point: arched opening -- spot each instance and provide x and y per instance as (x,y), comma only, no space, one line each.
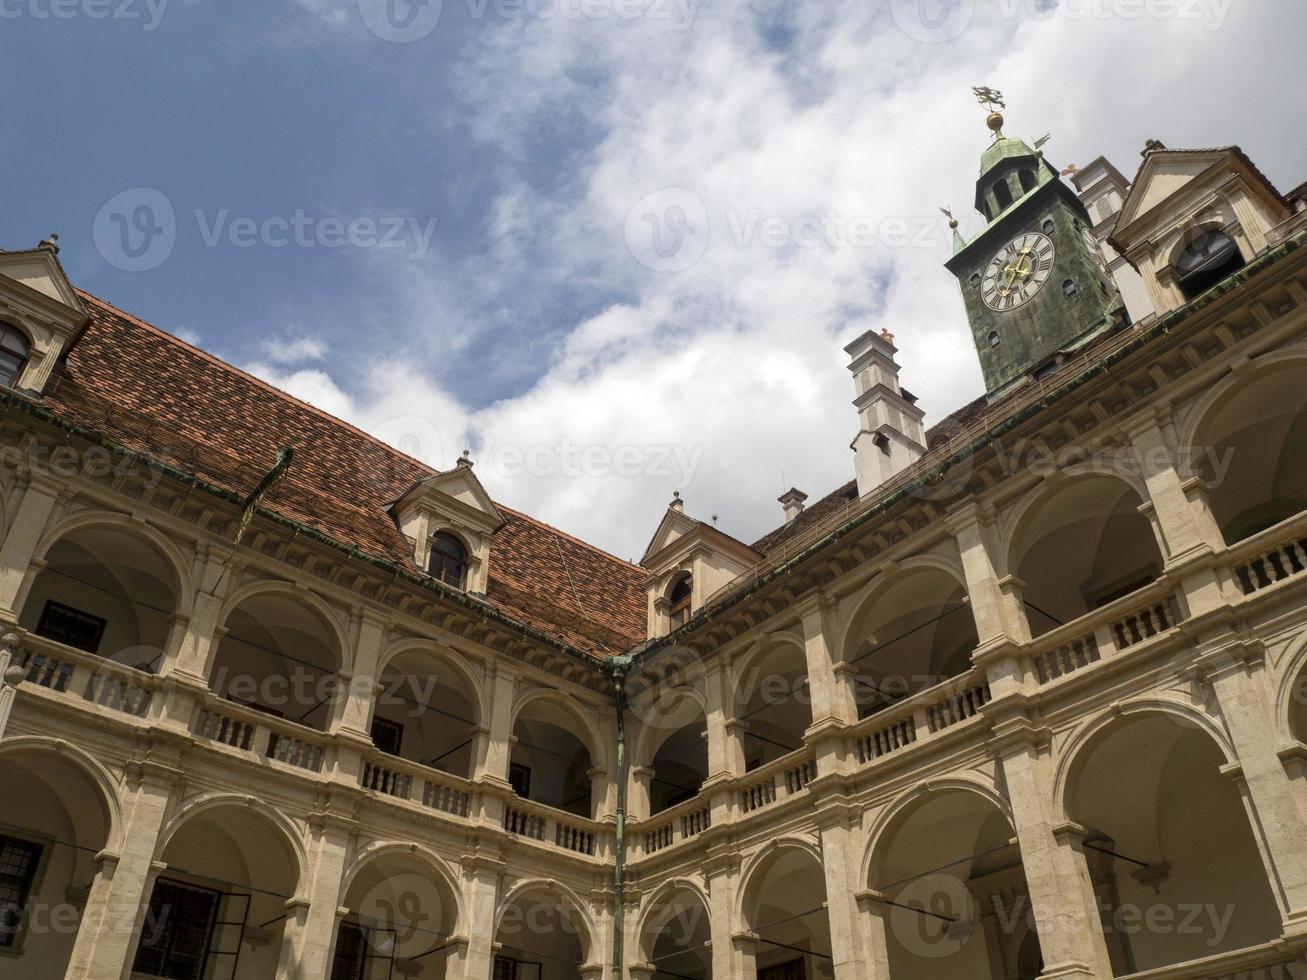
(1137,787)
(219,907)
(1252,452)
(1083,546)
(426,712)
(55,820)
(956,899)
(680,765)
(448,560)
(278,656)
(541,936)
(674,938)
(1003,195)
(402,915)
(548,763)
(1298,707)
(670,753)
(774,704)
(1209,259)
(14,352)
(1028,181)
(678,598)
(105,591)
(784,906)
(916,633)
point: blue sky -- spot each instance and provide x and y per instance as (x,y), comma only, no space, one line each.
(481,269)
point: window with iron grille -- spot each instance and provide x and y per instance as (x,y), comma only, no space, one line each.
(18,862)
(348,961)
(177,931)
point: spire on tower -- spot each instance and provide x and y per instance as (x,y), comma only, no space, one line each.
(992,99)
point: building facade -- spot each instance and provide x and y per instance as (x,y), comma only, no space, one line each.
(1027,698)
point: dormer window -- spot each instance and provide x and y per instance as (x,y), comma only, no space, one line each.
(679,597)
(14,351)
(1207,260)
(448,562)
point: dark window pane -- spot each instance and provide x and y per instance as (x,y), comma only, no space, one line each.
(178,927)
(448,561)
(18,860)
(387,735)
(70,626)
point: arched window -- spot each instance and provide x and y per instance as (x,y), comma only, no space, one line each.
(13,355)
(975,279)
(993,338)
(1003,194)
(679,597)
(1027,180)
(448,561)
(1206,261)
(1069,288)
(1049,227)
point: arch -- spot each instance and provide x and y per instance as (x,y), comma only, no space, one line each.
(589,733)
(668,887)
(15,351)
(675,925)
(1018,518)
(757,863)
(89,766)
(1288,701)
(286,831)
(419,853)
(883,582)
(84,520)
(1081,742)
(556,753)
(446,656)
(783,902)
(305,597)
(1079,542)
(771,695)
(882,827)
(557,896)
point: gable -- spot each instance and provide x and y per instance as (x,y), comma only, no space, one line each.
(674,526)
(39,270)
(1163,175)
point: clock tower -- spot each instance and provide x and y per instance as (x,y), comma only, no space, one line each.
(1034,281)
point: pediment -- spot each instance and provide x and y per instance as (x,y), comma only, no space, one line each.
(674,526)
(455,493)
(39,270)
(1165,174)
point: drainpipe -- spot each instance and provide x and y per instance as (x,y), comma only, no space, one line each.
(620,666)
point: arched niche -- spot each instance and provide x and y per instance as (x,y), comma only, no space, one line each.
(548,761)
(427,710)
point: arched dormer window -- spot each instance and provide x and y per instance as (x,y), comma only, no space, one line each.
(1207,260)
(448,562)
(1028,181)
(14,351)
(679,597)
(1003,194)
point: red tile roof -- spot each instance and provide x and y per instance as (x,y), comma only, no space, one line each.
(158,395)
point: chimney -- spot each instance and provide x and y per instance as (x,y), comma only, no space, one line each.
(891,436)
(792,500)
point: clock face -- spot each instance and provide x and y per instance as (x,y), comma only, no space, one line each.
(1017,272)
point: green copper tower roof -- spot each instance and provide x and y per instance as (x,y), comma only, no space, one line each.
(1003,149)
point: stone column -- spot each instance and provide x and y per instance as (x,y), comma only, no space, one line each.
(11,675)
(111,923)
(874,933)
(1061,892)
(25,533)
(721,872)
(481,877)
(357,687)
(1245,698)
(309,934)
(640,805)
(840,859)
(725,743)
(503,688)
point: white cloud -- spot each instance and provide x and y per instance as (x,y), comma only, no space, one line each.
(293,350)
(737,361)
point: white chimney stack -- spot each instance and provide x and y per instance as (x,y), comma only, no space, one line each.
(792,500)
(892,435)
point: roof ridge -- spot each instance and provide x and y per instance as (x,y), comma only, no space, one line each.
(333,419)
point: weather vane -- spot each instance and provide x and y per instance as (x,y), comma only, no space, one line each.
(992,99)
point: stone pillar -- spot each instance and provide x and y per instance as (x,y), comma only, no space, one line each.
(503,687)
(25,533)
(841,866)
(193,655)
(640,805)
(874,933)
(721,873)
(309,934)
(481,877)
(1061,892)
(719,710)
(818,617)
(997,611)
(11,675)
(115,910)
(357,688)
(1246,699)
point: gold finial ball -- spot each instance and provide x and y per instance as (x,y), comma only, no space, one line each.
(995,122)
(953,223)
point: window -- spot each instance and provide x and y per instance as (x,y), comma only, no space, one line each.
(1027,180)
(362,953)
(975,279)
(510,969)
(70,626)
(1069,288)
(789,970)
(882,443)
(183,918)
(448,561)
(387,735)
(1049,227)
(519,777)
(1207,260)
(1003,194)
(13,355)
(680,600)
(18,862)
(993,338)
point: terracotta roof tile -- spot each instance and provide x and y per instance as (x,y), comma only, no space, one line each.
(158,395)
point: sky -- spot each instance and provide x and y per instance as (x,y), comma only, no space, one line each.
(614,248)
